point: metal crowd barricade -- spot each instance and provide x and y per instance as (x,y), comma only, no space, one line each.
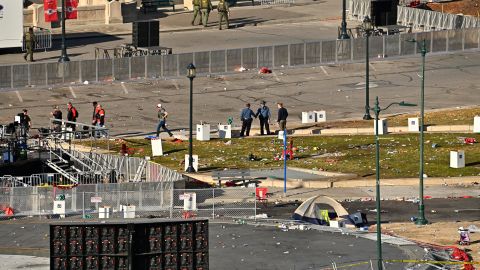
(43,38)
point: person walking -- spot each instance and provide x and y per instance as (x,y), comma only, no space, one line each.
(30,42)
(223,11)
(246,118)
(57,115)
(206,7)
(72,115)
(196,11)
(282,117)
(94,116)
(162,116)
(264,115)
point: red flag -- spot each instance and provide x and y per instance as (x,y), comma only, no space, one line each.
(50,7)
(71,9)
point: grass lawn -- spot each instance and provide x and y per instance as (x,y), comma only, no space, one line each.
(348,154)
(437,118)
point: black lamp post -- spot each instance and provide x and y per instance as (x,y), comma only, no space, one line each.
(64,57)
(191,75)
(377,111)
(367,27)
(343,33)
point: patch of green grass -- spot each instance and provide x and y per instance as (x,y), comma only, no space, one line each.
(399,154)
(438,118)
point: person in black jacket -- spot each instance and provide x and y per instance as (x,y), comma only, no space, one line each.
(72,115)
(282,116)
(57,115)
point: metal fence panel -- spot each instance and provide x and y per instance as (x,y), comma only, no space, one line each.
(217,61)
(89,70)
(359,48)
(265,56)
(71,71)
(137,66)
(184,60)
(455,40)
(392,44)
(344,52)
(5,76)
(105,69)
(55,73)
(297,54)
(328,51)
(280,56)
(121,68)
(439,41)
(154,66)
(202,62)
(234,59)
(375,46)
(472,38)
(313,52)
(249,58)
(217,203)
(406,46)
(169,65)
(427,36)
(38,75)
(20,75)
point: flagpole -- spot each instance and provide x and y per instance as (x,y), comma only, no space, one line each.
(64,57)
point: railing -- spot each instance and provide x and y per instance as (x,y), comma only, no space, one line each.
(149,199)
(232,60)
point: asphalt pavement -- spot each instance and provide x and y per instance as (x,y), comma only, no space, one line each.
(451,81)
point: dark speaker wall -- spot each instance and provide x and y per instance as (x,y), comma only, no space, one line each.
(146,34)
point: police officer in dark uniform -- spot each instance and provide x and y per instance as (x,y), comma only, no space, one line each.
(246,118)
(264,115)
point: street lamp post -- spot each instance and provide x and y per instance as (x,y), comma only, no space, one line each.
(377,111)
(191,75)
(64,57)
(343,33)
(421,220)
(367,27)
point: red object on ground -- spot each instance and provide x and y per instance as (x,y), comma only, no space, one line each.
(177,141)
(9,211)
(467,197)
(264,70)
(470,140)
(461,255)
(124,149)
(289,150)
(427,197)
(230,184)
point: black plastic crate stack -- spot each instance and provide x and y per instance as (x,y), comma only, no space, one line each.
(142,245)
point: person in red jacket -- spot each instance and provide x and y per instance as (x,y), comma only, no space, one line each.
(100,119)
(72,115)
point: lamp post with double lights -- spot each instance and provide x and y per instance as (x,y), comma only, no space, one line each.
(377,111)
(368,28)
(191,73)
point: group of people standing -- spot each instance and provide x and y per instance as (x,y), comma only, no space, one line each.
(264,115)
(202,9)
(72,115)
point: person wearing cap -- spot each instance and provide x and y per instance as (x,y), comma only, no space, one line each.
(162,116)
(246,118)
(264,115)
